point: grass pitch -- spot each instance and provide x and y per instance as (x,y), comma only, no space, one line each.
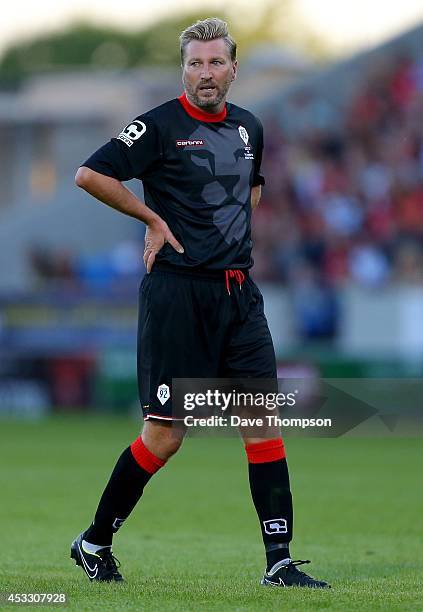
(193,543)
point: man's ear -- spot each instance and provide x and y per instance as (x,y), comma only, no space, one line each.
(234,69)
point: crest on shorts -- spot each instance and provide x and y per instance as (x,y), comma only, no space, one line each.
(163,393)
(243,133)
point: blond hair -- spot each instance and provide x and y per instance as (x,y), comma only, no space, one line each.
(211,28)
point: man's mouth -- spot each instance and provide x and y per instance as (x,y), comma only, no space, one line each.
(207,88)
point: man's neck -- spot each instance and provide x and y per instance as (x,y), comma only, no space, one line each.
(200,114)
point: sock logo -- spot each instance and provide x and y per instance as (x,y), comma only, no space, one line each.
(117,523)
(274,526)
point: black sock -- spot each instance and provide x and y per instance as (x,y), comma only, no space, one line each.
(275,553)
(120,496)
(270,490)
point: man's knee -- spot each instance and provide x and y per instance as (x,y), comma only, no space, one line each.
(162,439)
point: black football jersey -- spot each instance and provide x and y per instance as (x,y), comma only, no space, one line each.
(197,170)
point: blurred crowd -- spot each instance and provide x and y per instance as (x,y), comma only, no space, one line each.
(347,204)
(117,269)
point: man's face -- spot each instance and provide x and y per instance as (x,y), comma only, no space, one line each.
(208,72)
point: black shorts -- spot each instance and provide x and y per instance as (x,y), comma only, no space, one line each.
(198,325)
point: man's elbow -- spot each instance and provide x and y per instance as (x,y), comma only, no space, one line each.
(255,196)
(82,177)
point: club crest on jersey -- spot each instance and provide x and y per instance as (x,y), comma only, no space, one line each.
(163,393)
(132,132)
(248,154)
(244,134)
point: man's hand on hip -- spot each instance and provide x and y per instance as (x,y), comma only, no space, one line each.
(157,233)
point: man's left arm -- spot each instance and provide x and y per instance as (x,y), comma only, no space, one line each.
(255,196)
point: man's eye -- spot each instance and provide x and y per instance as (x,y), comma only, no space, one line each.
(217,62)
(195,63)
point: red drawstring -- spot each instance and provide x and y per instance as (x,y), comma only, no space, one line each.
(238,275)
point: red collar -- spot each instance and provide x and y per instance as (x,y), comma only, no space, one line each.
(199,114)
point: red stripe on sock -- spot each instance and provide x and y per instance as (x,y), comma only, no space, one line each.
(145,459)
(264,452)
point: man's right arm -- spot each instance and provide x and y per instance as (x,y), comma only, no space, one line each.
(110,191)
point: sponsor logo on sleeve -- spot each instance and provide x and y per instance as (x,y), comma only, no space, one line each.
(132,132)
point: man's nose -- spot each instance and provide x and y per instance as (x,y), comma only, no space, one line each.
(205,73)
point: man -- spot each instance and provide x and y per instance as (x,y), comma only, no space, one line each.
(201,316)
